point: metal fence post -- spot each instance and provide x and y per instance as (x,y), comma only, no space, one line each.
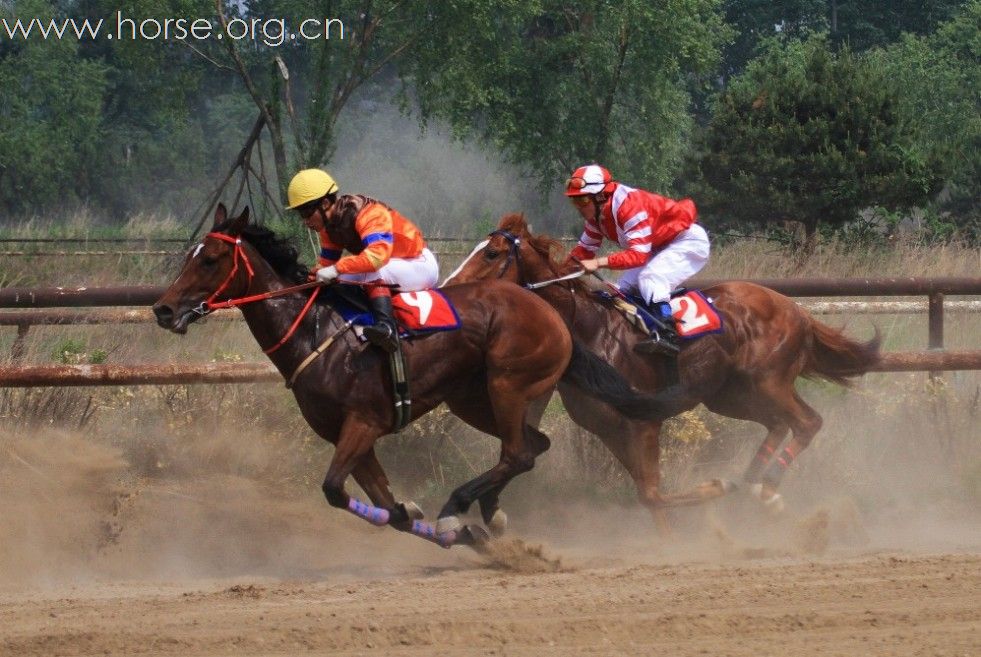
(935,340)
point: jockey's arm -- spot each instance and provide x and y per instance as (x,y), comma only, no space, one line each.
(330,253)
(374,225)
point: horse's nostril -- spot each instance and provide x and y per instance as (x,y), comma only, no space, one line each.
(165,315)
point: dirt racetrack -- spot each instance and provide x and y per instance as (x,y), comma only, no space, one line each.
(146,544)
(879,604)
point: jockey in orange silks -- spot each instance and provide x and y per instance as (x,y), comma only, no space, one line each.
(661,244)
(383,246)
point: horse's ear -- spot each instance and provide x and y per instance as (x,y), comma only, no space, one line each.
(221,214)
(239,223)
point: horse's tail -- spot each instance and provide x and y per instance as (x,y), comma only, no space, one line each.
(598,379)
(835,357)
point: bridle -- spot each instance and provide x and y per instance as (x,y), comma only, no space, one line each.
(238,254)
(209,305)
(514,255)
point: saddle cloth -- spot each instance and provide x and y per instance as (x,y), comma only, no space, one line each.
(416,313)
(694,313)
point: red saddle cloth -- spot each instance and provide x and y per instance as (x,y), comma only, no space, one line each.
(425,311)
(694,314)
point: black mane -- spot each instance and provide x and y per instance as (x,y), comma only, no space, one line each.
(279,252)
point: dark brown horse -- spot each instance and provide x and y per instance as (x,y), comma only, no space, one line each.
(513,348)
(746,372)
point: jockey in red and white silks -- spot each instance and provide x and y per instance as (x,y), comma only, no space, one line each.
(662,245)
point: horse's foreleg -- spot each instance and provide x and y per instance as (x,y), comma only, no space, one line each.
(355,443)
(403,516)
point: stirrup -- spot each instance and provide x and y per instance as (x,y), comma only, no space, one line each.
(657,344)
(381,334)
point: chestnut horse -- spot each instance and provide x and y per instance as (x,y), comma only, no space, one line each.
(746,372)
(513,348)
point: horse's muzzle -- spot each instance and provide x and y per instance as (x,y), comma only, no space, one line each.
(168,319)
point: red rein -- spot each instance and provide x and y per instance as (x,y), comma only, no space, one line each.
(211,305)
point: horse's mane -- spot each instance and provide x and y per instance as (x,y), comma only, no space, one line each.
(279,252)
(543,244)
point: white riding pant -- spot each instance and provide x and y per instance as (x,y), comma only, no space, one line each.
(668,268)
(410,274)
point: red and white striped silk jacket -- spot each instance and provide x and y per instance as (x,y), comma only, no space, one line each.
(640,222)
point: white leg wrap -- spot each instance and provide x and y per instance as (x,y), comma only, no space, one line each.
(447,525)
(498,523)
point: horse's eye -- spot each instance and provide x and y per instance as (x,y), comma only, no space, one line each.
(209,261)
(490,254)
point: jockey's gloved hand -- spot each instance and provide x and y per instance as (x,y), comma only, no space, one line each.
(327,274)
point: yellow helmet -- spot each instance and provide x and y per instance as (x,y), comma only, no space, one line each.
(309,185)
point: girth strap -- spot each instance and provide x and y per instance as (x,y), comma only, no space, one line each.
(324,346)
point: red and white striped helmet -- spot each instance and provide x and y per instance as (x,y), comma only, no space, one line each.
(589,179)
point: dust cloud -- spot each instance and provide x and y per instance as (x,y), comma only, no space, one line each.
(895,468)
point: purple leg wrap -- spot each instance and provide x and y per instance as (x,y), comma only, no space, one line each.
(372,514)
(425,530)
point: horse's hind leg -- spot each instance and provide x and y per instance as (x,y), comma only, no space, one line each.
(776,431)
(805,423)
(775,404)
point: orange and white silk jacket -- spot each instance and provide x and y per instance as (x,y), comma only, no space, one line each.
(371,231)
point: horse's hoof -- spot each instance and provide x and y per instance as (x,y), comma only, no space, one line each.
(728,486)
(473,536)
(448,524)
(773,504)
(498,524)
(413,511)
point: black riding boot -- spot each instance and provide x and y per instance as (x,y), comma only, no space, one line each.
(383,333)
(664,340)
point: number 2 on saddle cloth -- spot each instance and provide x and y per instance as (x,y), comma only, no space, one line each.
(693,312)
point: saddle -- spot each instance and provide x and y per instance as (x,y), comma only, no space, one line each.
(416,314)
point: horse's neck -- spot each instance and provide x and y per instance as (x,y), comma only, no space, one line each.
(271,319)
(585,315)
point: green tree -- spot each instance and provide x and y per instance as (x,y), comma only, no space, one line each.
(300,89)
(859,24)
(811,136)
(937,78)
(167,110)
(50,117)
(552,85)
